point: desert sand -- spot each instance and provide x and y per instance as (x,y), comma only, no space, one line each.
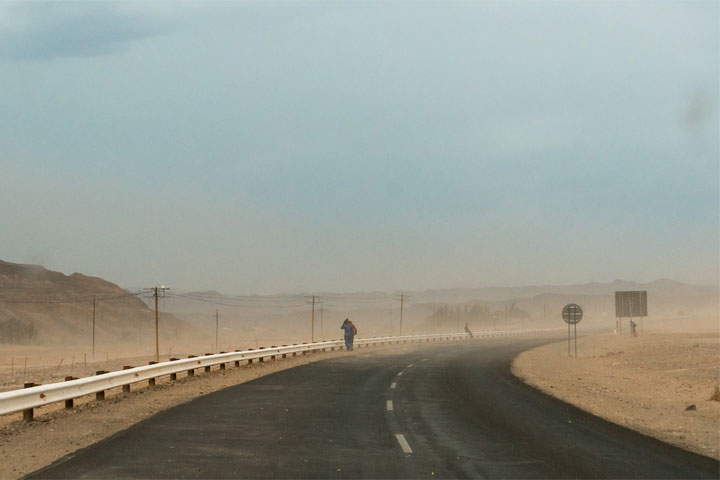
(645,383)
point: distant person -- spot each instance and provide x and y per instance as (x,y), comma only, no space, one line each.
(468,331)
(633,329)
(350,332)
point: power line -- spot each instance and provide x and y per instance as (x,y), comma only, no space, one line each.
(254,298)
(74,300)
(214,302)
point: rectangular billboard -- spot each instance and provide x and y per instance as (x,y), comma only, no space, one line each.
(631,304)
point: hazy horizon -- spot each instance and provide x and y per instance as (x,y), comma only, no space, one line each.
(348,147)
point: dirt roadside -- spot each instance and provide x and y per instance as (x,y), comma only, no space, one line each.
(648,384)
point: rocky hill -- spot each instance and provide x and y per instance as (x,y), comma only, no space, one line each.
(40,306)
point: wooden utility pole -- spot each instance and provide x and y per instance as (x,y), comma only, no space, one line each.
(322,330)
(217,345)
(93,351)
(402,301)
(312,335)
(157,327)
(155,291)
(312,318)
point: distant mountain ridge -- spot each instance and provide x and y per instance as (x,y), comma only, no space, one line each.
(38,305)
(661,286)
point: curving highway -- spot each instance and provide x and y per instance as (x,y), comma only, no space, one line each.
(440,411)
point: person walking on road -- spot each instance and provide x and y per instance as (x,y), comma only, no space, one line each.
(350,332)
(468,331)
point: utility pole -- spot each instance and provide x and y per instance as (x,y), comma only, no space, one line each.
(312,327)
(157,328)
(402,301)
(217,345)
(93,351)
(312,335)
(322,330)
(155,291)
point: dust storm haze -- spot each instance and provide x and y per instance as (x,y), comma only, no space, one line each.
(489,160)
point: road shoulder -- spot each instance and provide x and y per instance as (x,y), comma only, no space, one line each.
(644,383)
(26,447)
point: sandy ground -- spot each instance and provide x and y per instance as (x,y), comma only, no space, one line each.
(643,383)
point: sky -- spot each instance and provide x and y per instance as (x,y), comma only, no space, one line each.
(297,147)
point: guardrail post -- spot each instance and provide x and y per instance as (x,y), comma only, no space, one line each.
(191,372)
(126,388)
(222,365)
(101,394)
(69,403)
(272,357)
(173,376)
(28,412)
(151,381)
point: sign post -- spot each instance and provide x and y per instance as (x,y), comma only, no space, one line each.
(572,314)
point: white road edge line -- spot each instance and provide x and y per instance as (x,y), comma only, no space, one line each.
(393,385)
(403,443)
(389,406)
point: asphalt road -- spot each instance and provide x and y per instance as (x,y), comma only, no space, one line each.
(443,411)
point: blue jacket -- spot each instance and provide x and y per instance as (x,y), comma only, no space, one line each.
(348,329)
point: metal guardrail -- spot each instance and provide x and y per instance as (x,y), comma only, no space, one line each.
(36,396)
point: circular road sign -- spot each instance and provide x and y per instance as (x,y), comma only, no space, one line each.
(572,314)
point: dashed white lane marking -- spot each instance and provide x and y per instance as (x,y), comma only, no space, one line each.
(411,365)
(389,406)
(424,360)
(399,374)
(403,443)
(393,385)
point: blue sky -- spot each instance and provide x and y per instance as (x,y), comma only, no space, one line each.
(299,147)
